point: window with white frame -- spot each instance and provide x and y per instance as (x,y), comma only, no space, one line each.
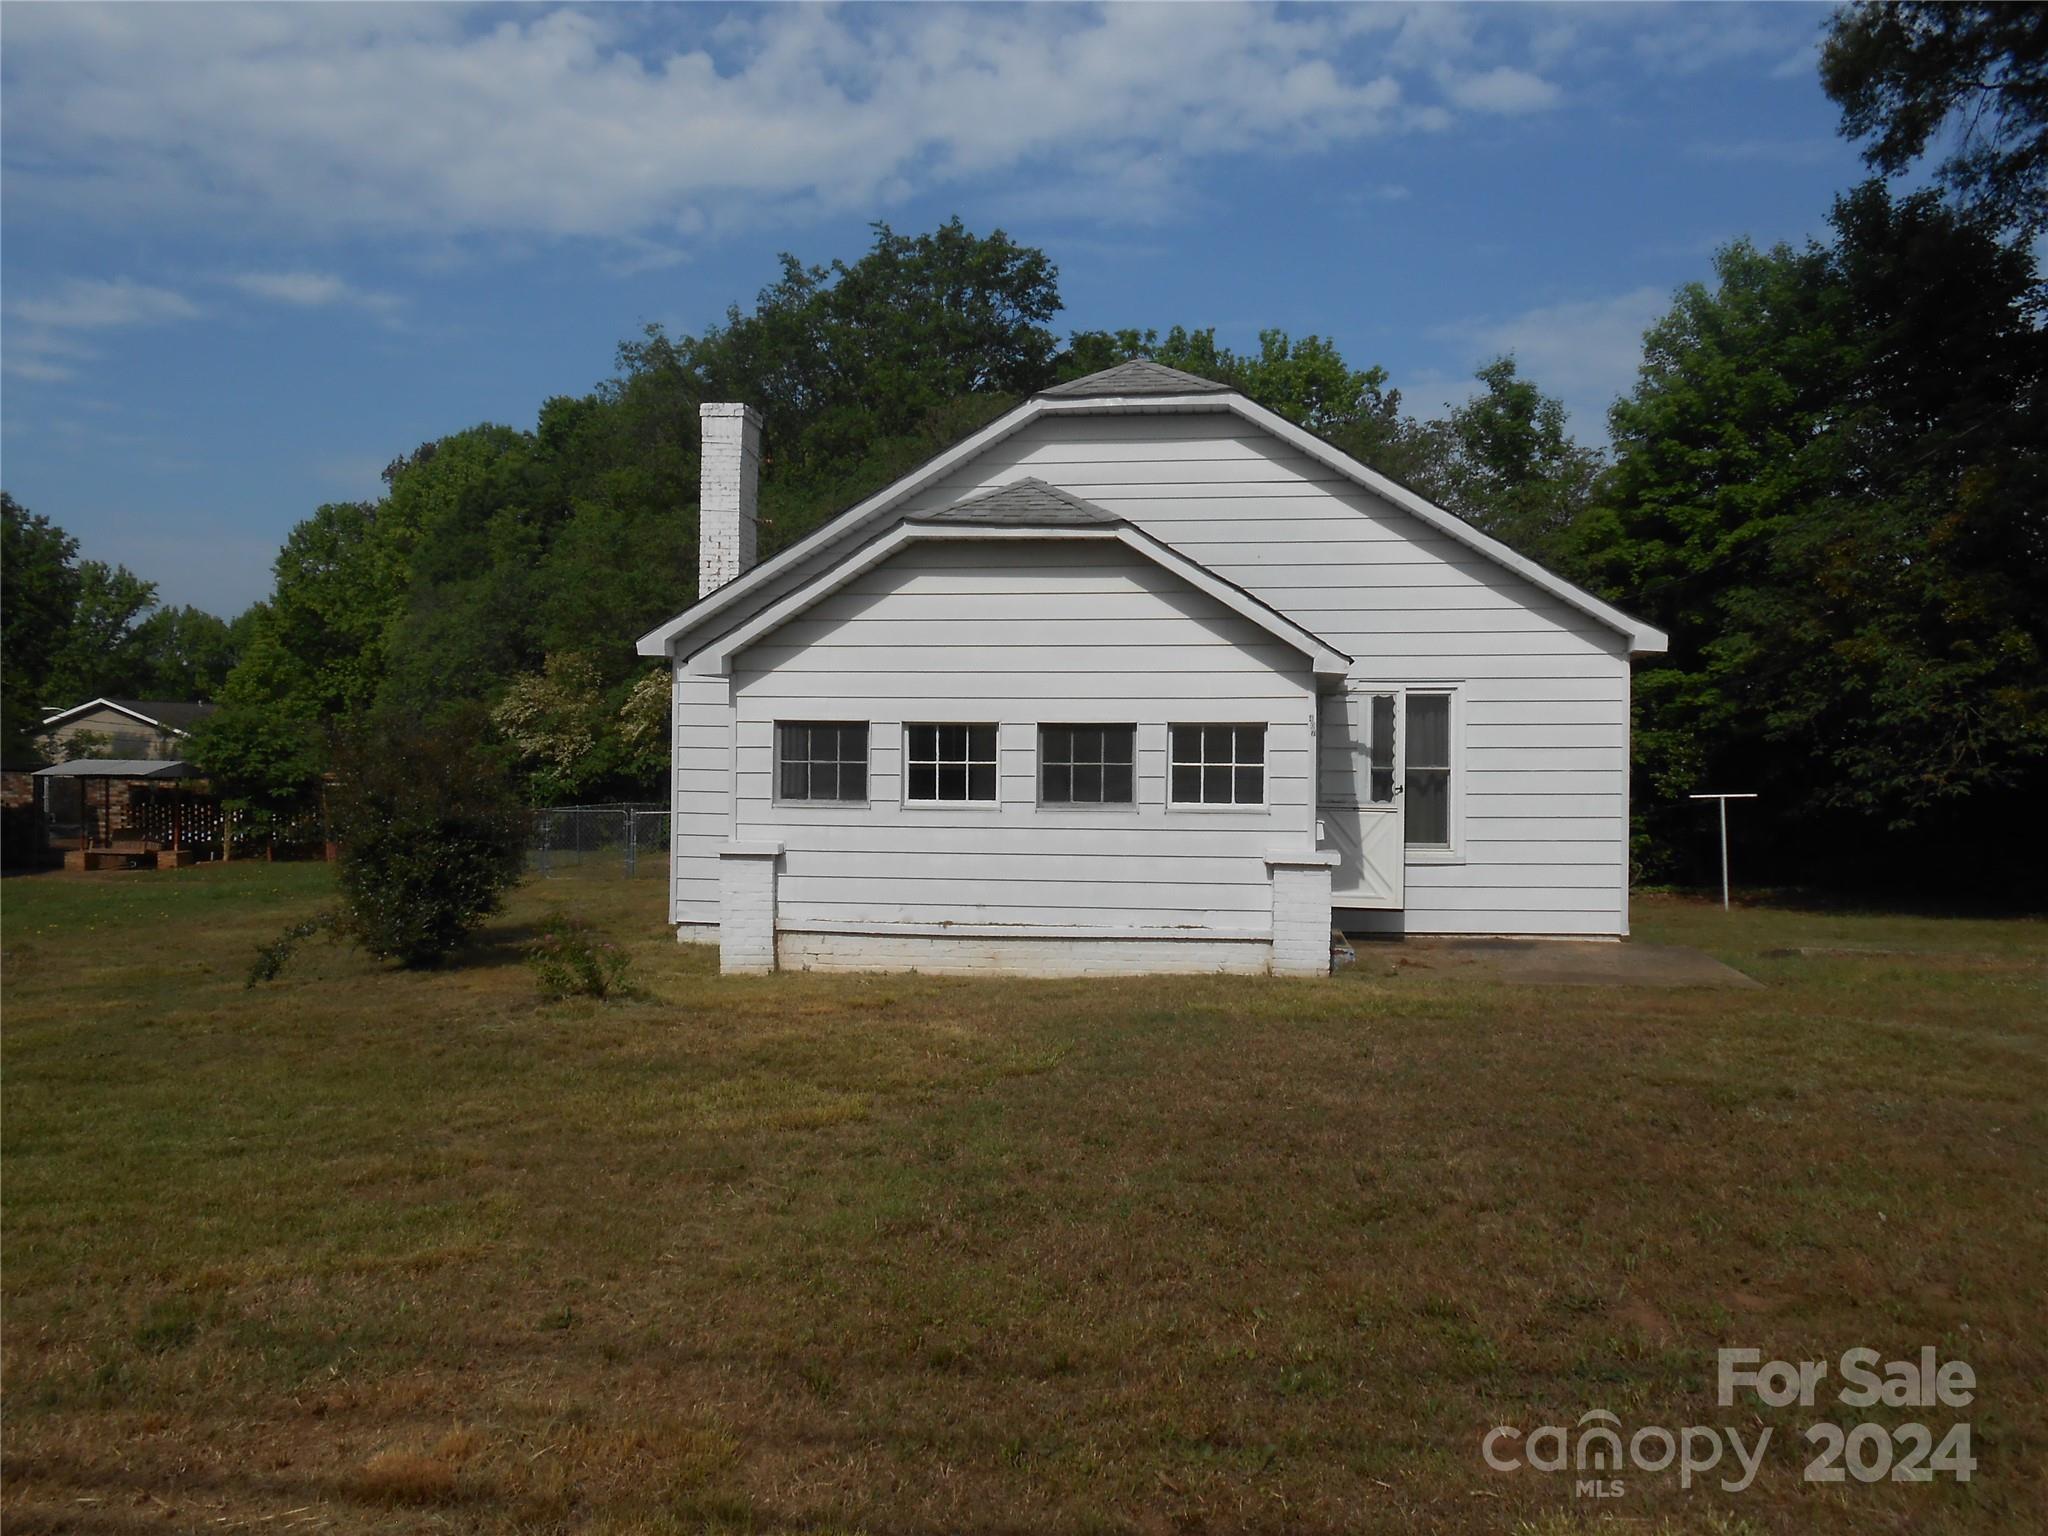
(945,764)
(821,760)
(1217,765)
(1086,764)
(1427,769)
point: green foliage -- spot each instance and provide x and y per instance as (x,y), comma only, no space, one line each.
(1304,379)
(1829,488)
(499,554)
(188,653)
(644,721)
(1506,463)
(40,582)
(1903,72)
(432,836)
(274,956)
(571,959)
(103,649)
(76,630)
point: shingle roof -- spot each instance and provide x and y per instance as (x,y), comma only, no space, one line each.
(1140,376)
(1024,504)
(120,768)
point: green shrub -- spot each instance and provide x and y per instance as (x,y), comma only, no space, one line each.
(272,958)
(432,836)
(571,959)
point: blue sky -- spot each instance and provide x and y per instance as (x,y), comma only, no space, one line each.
(252,253)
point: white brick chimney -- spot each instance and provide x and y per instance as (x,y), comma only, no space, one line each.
(728,490)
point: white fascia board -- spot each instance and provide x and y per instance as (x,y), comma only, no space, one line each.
(120,709)
(661,641)
(717,657)
(1642,638)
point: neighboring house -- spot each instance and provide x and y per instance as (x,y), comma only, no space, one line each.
(1141,677)
(127,728)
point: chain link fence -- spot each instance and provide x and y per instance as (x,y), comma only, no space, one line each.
(599,842)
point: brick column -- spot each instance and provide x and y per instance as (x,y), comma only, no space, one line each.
(746,907)
(1301,912)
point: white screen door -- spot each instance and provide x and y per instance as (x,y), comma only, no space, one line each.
(1358,795)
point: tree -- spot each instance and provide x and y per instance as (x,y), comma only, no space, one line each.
(644,721)
(103,651)
(310,660)
(187,653)
(432,836)
(1902,72)
(1828,488)
(1304,379)
(555,719)
(862,370)
(41,587)
(1506,462)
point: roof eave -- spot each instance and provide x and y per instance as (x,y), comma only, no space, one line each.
(661,640)
(1643,639)
(120,709)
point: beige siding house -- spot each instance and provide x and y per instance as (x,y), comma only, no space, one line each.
(1140,677)
(153,729)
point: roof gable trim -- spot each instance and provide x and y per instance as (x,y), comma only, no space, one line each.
(717,657)
(1641,637)
(119,708)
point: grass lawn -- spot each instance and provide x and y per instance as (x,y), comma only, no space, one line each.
(370,1250)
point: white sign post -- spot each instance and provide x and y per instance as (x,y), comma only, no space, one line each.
(1724,799)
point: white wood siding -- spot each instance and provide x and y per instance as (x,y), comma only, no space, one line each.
(701,807)
(1020,634)
(1544,688)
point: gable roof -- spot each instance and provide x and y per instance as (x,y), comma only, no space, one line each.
(120,768)
(1324,659)
(861,518)
(174,715)
(1140,376)
(1027,503)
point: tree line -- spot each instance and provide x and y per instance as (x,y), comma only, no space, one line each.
(1826,483)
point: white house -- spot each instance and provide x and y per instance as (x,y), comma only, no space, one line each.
(1141,677)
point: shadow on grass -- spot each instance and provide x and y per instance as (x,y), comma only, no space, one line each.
(1861,903)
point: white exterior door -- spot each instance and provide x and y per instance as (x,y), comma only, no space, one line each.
(1358,795)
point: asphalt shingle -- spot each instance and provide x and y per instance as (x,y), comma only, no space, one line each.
(1025,504)
(1140,376)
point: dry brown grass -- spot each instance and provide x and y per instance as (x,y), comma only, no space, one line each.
(373,1251)
(405,1477)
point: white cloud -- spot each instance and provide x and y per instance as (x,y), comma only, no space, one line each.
(1815,151)
(41,343)
(82,304)
(441,122)
(1586,351)
(37,366)
(1503,90)
(313,290)
(1688,39)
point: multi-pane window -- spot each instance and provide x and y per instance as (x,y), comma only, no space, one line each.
(1429,770)
(949,763)
(821,760)
(1218,765)
(1085,764)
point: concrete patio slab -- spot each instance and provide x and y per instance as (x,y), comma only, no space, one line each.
(1550,963)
